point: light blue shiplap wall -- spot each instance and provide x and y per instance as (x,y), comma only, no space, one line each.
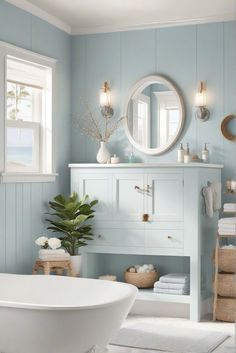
(22,206)
(186,55)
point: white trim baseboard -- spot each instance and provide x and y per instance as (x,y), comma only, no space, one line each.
(36,11)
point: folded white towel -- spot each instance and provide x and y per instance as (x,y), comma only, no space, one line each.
(175,278)
(170,291)
(227,220)
(230,246)
(226,232)
(163,285)
(51,252)
(60,257)
(230,205)
(226,226)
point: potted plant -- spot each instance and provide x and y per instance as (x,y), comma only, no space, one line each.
(70,216)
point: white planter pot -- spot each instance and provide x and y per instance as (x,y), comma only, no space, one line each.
(103,154)
(76,263)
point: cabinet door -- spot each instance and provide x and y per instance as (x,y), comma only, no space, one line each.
(98,186)
(165,199)
(128,201)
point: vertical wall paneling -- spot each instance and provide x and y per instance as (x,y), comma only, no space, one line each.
(22,206)
(185,54)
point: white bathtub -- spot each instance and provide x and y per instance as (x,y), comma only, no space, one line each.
(50,314)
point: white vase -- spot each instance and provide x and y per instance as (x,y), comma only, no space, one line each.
(76,263)
(103,154)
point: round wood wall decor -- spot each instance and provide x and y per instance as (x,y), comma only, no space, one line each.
(224,128)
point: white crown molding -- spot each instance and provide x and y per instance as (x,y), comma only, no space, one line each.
(160,24)
(36,11)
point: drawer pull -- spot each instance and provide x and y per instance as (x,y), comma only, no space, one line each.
(147,190)
(169,237)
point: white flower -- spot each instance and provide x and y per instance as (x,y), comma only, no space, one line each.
(41,241)
(54,243)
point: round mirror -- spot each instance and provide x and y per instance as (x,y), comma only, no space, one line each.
(154,115)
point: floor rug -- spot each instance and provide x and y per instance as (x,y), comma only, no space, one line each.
(170,338)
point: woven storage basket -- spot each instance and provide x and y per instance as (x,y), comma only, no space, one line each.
(142,280)
(227,285)
(226,309)
(226,260)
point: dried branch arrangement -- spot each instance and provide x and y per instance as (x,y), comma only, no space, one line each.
(97,127)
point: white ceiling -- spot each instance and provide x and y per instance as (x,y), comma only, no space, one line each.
(95,16)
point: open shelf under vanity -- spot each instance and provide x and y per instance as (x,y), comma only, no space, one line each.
(148,294)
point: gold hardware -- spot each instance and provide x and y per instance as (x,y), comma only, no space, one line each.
(145,217)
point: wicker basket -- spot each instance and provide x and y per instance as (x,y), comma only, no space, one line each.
(142,280)
(227,260)
(225,309)
(226,285)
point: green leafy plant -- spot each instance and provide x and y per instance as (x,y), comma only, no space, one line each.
(70,216)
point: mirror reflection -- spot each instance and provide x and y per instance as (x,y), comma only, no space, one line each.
(154,115)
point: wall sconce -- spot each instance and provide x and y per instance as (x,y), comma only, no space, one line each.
(202,113)
(105,101)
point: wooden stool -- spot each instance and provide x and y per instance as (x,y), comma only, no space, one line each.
(57,266)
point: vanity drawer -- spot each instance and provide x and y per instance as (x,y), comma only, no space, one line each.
(164,238)
(118,237)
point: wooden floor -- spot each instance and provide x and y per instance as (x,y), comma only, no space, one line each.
(226,347)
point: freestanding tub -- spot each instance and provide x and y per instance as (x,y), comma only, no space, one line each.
(54,314)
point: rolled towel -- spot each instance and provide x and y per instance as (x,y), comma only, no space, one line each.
(227,220)
(163,285)
(51,252)
(175,278)
(170,291)
(60,257)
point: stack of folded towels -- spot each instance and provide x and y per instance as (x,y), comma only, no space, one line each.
(230,207)
(53,255)
(173,283)
(227,226)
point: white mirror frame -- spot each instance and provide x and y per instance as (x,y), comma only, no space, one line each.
(140,85)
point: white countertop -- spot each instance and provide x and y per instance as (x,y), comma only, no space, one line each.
(146,165)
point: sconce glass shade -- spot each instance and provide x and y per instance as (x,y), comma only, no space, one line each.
(202,113)
(105,101)
(200,99)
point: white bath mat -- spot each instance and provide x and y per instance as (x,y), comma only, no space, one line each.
(170,338)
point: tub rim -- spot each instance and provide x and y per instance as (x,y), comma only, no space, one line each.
(32,306)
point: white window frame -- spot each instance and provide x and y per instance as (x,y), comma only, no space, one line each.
(47,171)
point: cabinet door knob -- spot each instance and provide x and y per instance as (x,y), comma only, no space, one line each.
(99,236)
(145,217)
(169,237)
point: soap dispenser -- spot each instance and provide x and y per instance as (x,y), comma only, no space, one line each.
(205,154)
(187,156)
(181,153)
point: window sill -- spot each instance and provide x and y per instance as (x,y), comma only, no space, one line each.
(27,178)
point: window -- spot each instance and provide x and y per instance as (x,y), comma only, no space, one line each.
(168,116)
(141,120)
(28,114)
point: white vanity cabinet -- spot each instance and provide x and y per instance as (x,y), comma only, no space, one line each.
(152,210)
